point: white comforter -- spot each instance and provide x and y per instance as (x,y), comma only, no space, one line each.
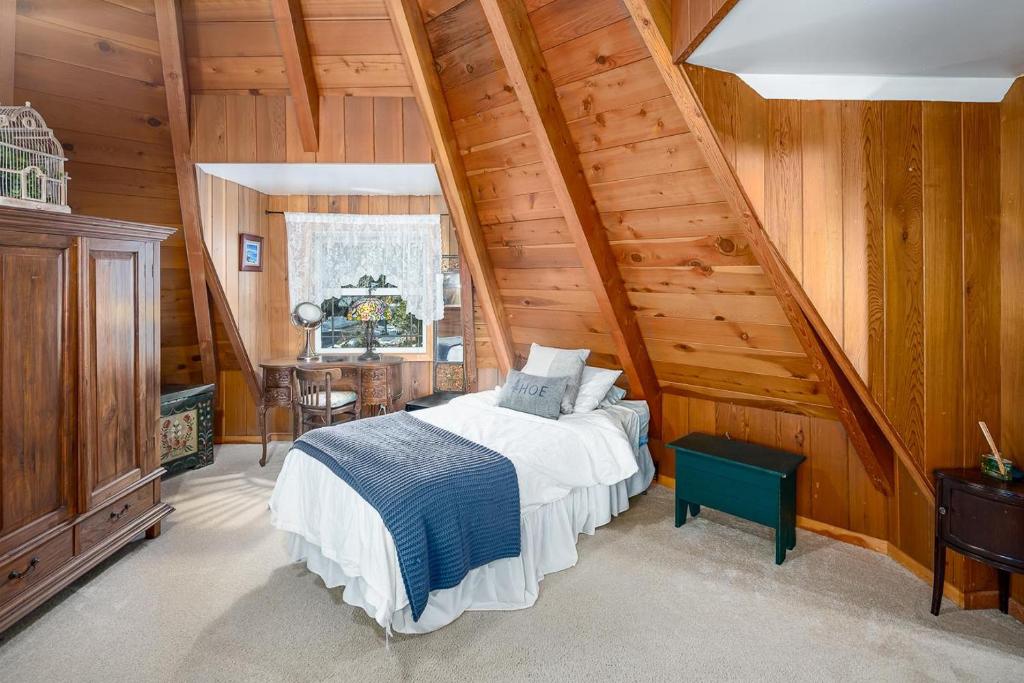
(551,457)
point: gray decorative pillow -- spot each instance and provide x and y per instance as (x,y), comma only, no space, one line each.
(540,396)
(547,361)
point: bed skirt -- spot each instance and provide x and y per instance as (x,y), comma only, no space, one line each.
(549,534)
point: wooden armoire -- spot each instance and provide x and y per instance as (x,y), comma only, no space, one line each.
(79,398)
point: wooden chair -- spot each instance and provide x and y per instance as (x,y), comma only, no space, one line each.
(326,397)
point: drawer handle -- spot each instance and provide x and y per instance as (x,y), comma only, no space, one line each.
(15,575)
(942,509)
(114,516)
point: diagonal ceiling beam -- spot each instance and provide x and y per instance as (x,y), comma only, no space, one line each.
(683,19)
(8,10)
(876,441)
(411,34)
(298,65)
(521,53)
(172,58)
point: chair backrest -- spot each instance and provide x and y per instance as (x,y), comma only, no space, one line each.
(316,386)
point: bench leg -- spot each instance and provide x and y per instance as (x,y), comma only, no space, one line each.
(791,528)
(680,512)
(1004,591)
(781,541)
(694,509)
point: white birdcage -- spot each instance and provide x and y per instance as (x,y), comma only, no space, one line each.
(31,162)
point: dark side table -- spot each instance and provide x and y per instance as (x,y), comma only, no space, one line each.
(982,518)
(438,398)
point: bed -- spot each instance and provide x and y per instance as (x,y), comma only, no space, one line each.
(574,475)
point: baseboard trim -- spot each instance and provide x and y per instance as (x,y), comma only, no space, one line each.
(987,599)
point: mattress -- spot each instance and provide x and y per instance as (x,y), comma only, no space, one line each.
(342,539)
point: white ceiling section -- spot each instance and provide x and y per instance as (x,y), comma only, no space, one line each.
(331,179)
(950,50)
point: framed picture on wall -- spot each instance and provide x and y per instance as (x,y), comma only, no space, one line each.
(250,252)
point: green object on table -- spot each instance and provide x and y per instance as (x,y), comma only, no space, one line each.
(990,467)
(739,478)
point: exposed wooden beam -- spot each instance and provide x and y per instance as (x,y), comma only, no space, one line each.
(223,309)
(683,45)
(875,439)
(411,34)
(8,11)
(172,56)
(524,61)
(298,66)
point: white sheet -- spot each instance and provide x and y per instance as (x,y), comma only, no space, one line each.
(570,473)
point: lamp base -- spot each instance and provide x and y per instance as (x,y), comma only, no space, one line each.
(369,355)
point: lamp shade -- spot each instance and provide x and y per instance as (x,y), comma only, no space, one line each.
(370,309)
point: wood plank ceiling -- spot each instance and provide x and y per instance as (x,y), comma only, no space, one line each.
(709,317)
(234,48)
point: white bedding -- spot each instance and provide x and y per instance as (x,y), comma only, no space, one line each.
(572,476)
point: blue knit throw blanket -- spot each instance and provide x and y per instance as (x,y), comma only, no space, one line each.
(450,504)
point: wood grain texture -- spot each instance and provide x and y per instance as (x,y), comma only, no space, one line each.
(298,65)
(519,42)
(414,41)
(93,70)
(1011,240)
(168,21)
(876,441)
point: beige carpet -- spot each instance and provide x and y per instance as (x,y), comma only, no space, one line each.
(213,599)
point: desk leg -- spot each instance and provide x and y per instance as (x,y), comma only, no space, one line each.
(263,434)
(939,575)
(1004,591)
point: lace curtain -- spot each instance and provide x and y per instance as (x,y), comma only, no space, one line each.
(328,250)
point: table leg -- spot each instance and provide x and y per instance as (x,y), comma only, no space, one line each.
(791,534)
(1004,591)
(939,575)
(680,512)
(263,434)
(781,543)
(694,509)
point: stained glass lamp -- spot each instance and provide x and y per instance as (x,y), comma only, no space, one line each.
(368,311)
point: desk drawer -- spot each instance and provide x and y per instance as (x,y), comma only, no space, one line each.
(114,516)
(28,569)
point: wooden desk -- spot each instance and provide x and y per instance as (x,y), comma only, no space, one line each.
(982,518)
(381,385)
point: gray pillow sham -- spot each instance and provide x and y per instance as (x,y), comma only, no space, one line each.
(547,361)
(541,396)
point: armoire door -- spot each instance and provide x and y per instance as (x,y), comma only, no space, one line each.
(37,378)
(118,361)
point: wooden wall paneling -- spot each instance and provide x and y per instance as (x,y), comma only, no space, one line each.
(520,48)
(1011,240)
(119,150)
(168,23)
(876,440)
(904,302)
(8,12)
(692,21)
(359,127)
(415,42)
(298,64)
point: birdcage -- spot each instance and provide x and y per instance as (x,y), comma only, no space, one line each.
(31,162)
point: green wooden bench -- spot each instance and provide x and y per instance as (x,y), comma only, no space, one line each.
(740,478)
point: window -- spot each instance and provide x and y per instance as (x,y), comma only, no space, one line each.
(399,332)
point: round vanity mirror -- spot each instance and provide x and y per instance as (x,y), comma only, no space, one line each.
(307,316)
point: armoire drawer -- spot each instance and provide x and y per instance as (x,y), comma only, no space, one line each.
(28,569)
(114,516)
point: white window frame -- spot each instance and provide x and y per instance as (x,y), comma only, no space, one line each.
(390,350)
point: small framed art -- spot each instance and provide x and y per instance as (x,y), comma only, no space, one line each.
(250,252)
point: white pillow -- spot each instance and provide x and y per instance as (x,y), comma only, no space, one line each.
(546,361)
(594,385)
(614,395)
